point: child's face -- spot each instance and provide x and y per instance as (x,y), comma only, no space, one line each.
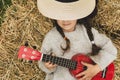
(67,25)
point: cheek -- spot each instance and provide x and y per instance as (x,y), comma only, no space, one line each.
(59,23)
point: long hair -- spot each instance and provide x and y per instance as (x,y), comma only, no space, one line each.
(85,22)
(59,29)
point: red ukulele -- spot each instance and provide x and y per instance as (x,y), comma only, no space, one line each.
(73,64)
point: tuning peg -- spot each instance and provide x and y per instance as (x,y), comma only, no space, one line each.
(26,43)
(21,60)
(30,61)
(34,47)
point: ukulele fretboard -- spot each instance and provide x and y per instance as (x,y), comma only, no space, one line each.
(60,61)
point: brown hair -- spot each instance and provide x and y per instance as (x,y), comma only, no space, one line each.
(59,29)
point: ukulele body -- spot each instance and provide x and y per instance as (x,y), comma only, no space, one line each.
(108,74)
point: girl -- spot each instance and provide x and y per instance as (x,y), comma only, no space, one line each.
(73,34)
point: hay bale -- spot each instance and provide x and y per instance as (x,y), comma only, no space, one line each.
(24,23)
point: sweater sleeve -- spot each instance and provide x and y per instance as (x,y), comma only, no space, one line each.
(108,51)
(46,49)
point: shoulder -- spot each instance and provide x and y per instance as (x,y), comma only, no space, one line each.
(52,34)
(94,30)
(82,27)
(97,33)
(50,37)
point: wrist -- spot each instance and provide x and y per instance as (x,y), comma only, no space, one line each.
(97,67)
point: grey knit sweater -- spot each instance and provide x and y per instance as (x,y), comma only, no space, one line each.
(79,43)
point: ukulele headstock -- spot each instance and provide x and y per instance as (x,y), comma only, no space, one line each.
(28,53)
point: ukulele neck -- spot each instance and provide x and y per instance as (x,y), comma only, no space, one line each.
(60,61)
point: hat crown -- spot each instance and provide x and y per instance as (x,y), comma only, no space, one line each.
(67,1)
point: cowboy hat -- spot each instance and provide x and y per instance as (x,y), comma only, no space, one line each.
(66,9)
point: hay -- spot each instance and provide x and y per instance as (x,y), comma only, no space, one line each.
(108,18)
(23,23)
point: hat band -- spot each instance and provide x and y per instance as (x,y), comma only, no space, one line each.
(67,1)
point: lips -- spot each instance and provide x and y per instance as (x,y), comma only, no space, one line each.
(66,24)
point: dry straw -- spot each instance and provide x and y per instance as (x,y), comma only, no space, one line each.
(23,23)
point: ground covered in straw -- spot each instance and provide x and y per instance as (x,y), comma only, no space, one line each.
(24,23)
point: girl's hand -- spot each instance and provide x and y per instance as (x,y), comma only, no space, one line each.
(91,71)
(49,65)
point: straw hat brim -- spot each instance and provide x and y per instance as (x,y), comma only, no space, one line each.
(66,11)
